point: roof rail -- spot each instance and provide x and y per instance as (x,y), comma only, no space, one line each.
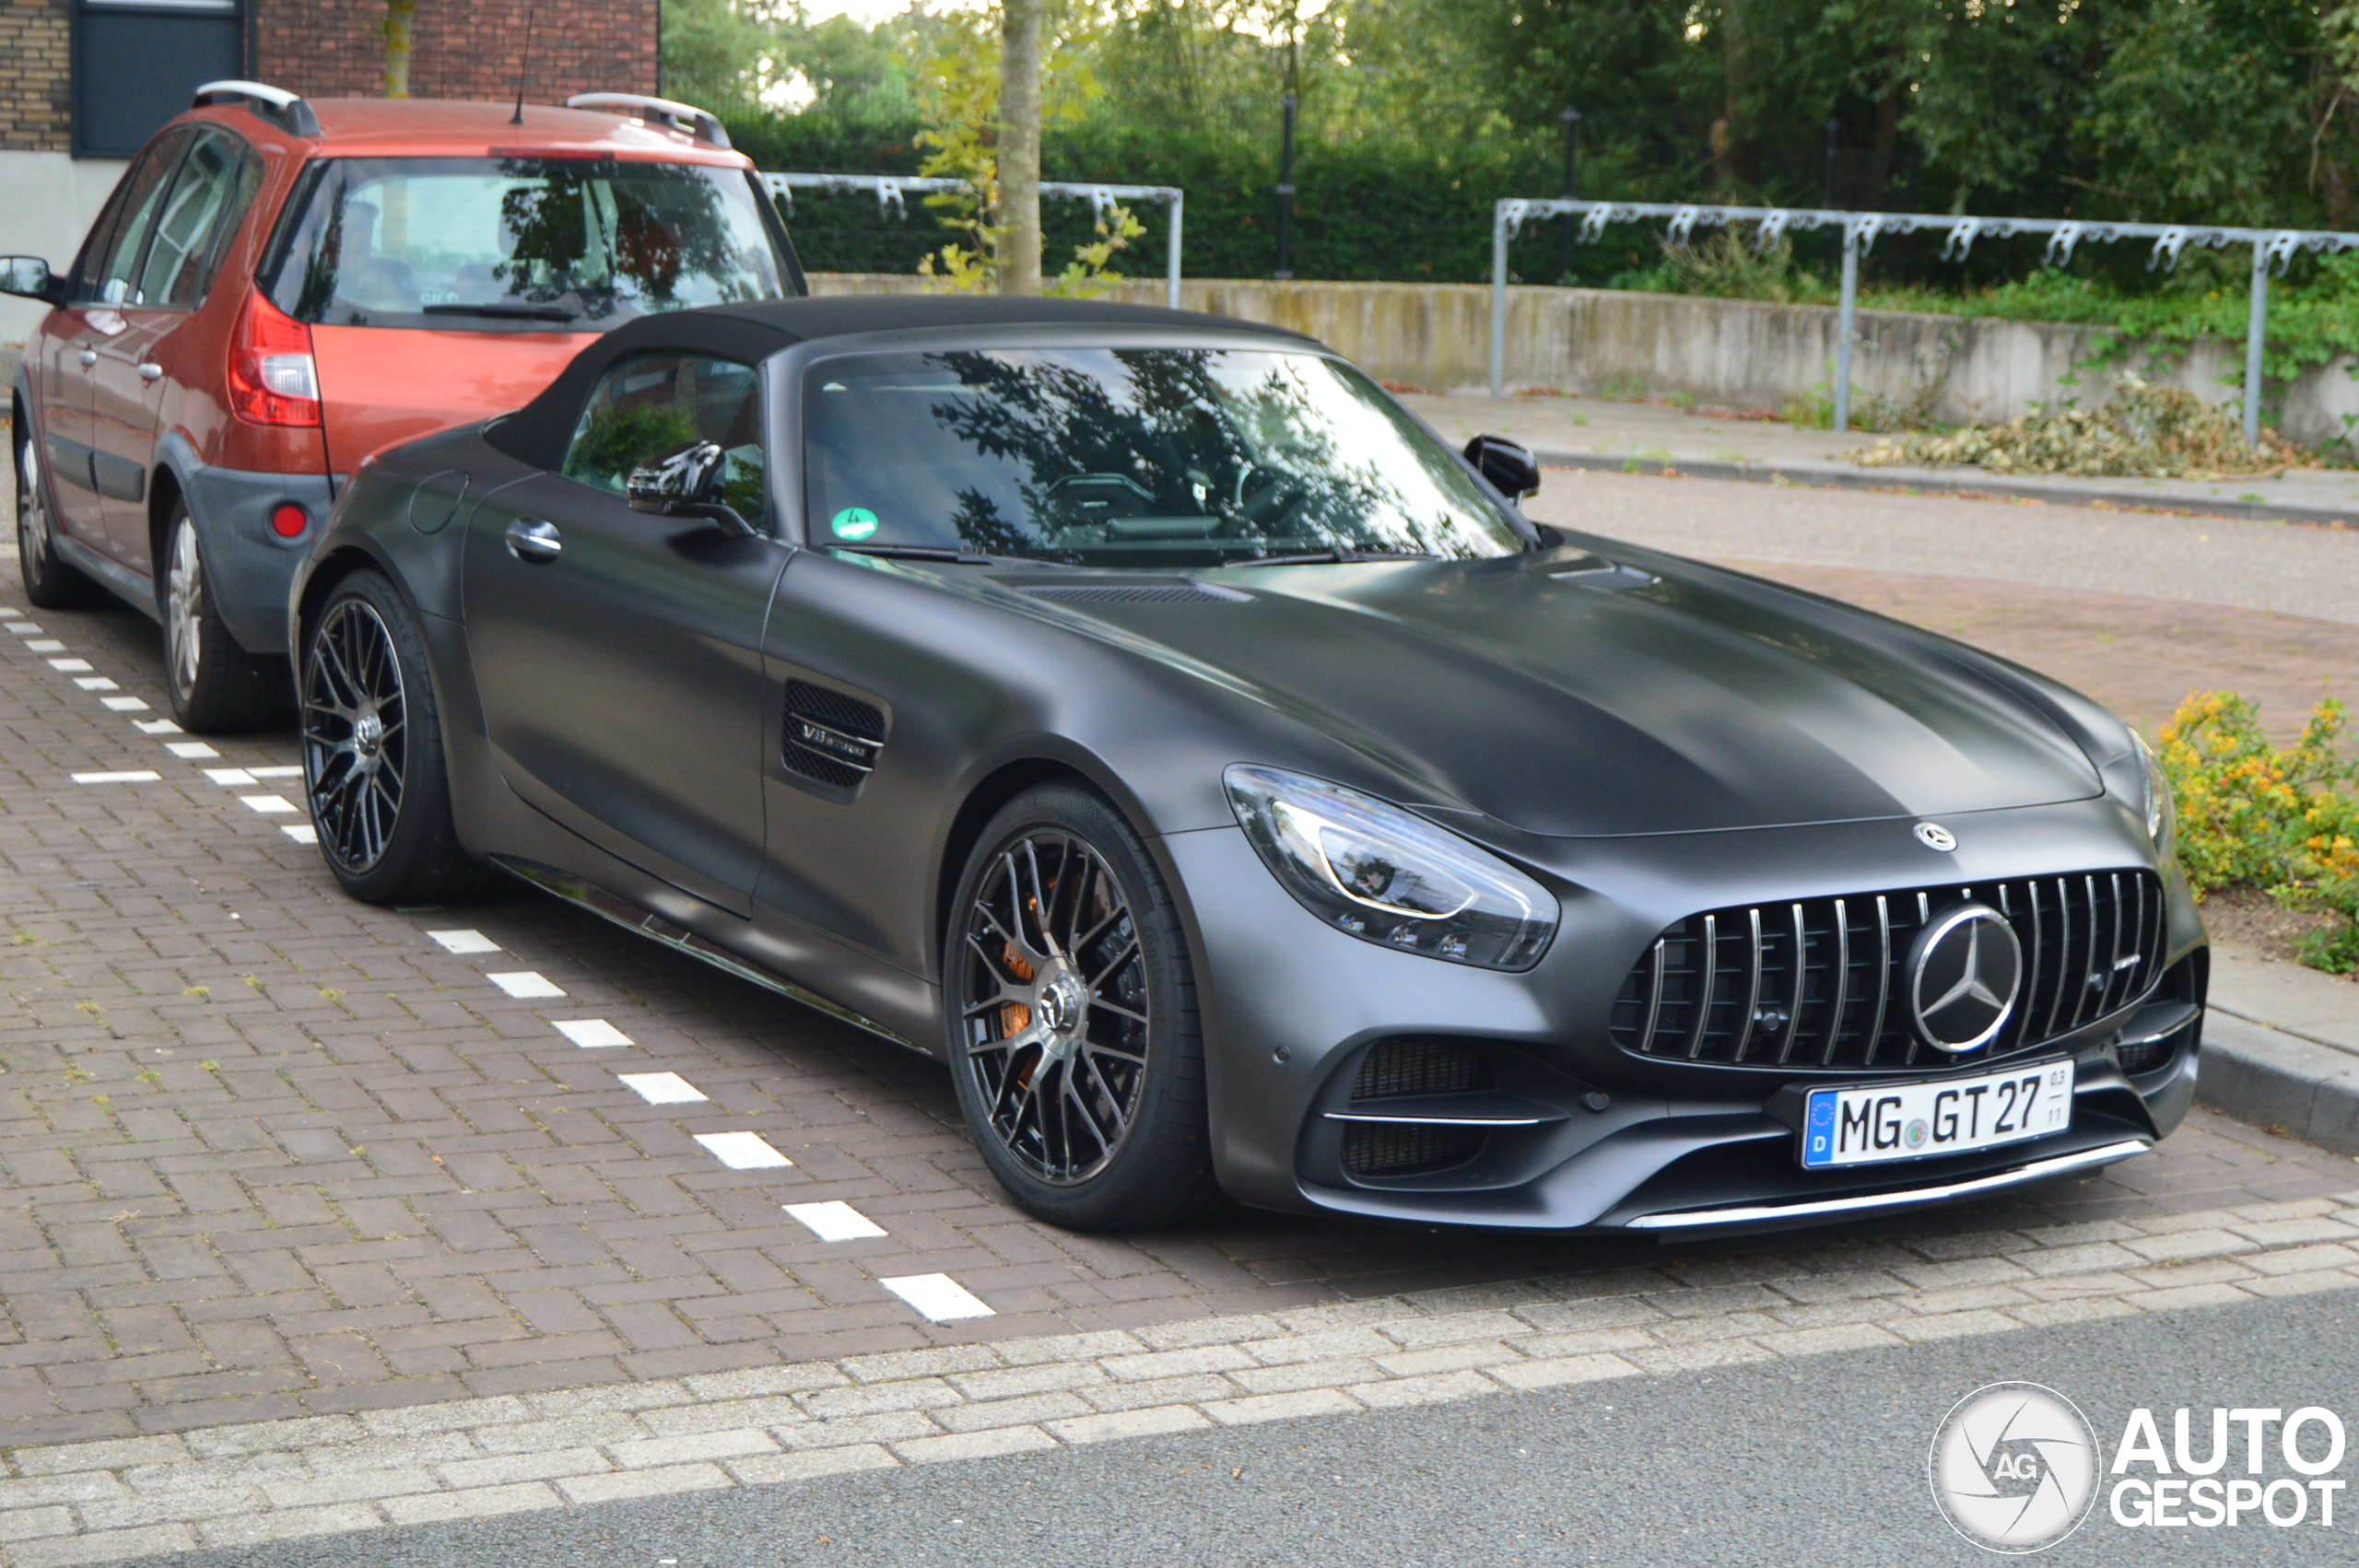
(701,123)
(276,105)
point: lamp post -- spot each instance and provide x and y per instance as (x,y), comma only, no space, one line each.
(1285,189)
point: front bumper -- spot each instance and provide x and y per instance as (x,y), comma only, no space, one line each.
(1582,1135)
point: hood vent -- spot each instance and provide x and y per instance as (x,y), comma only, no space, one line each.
(1177,592)
(831,739)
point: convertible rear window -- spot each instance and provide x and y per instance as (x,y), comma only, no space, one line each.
(1132,456)
(541,244)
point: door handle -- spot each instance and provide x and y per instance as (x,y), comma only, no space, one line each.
(533,541)
(151,371)
(87,357)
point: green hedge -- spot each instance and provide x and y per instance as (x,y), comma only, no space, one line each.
(1369,211)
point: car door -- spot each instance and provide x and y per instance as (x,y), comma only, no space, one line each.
(86,328)
(618,654)
(166,279)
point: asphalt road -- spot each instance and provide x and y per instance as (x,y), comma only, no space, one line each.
(1818,1462)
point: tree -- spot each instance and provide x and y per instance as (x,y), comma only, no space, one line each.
(395,29)
(1019,146)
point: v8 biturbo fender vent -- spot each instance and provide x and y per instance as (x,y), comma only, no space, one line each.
(831,739)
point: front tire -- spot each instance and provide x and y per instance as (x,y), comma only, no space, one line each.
(373,771)
(50,583)
(1071,1008)
(217,688)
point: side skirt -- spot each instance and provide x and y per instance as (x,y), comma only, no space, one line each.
(647,923)
(137,591)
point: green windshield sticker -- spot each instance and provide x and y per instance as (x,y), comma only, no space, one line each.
(854,523)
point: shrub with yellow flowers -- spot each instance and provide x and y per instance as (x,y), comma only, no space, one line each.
(2284,821)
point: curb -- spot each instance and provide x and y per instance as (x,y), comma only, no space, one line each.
(1846,477)
(2271,1079)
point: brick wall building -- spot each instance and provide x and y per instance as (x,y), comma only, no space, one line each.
(36,104)
(471,49)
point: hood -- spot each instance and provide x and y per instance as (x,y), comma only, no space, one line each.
(1564,696)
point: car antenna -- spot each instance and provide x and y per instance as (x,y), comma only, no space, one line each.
(523,68)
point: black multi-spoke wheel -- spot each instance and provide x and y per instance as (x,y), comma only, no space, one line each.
(356,741)
(372,750)
(1073,1019)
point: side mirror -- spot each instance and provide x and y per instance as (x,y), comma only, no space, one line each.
(30,277)
(685,483)
(1509,465)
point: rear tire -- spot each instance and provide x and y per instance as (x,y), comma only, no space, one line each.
(216,688)
(1070,1009)
(50,583)
(373,771)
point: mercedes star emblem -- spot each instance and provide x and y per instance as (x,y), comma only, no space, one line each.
(1962,978)
(1933,836)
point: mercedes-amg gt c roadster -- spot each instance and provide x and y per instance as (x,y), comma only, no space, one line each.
(1147,715)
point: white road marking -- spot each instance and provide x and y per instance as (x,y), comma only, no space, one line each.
(147,726)
(71,666)
(301,832)
(463,942)
(835,1221)
(661,1088)
(524,982)
(189,751)
(136,705)
(226,776)
(275,772)
(938,1298)
(45,645)
(24,628)
(744,1151)
(269,805)
(589,1033)
(137,776)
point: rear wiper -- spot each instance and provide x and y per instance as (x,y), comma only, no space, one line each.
(522,309)
(1314,557)
(911,553)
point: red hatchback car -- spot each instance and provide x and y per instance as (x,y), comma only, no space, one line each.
(280,287)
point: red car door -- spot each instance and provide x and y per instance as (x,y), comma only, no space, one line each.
(90,332)
(207,193)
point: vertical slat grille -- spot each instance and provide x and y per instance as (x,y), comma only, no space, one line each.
(1822,983)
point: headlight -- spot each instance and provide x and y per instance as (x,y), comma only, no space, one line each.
(1387,877)
(2161,811)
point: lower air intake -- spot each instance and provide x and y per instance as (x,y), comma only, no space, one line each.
(1418,1064)
(1396,1149)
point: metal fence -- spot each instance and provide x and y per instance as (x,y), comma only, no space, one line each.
(2271,250)
(890,189)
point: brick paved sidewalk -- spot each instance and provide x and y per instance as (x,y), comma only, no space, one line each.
(268,1153)
(478,1458)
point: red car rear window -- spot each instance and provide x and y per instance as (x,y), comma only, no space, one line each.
(533,244)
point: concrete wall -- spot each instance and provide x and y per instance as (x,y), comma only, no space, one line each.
(48,201)
(1730,352)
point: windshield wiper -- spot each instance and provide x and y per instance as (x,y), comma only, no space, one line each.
(522,308)
(910,552)
(1314,557)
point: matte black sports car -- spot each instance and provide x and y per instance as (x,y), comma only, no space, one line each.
(1147,715)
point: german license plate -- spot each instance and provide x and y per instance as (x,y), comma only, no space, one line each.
(1947,1116)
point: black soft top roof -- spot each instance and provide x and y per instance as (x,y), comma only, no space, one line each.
(754,330)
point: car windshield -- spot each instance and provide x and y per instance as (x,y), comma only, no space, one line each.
(1133,457)
(542,244)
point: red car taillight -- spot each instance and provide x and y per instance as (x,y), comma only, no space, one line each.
(273,379)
